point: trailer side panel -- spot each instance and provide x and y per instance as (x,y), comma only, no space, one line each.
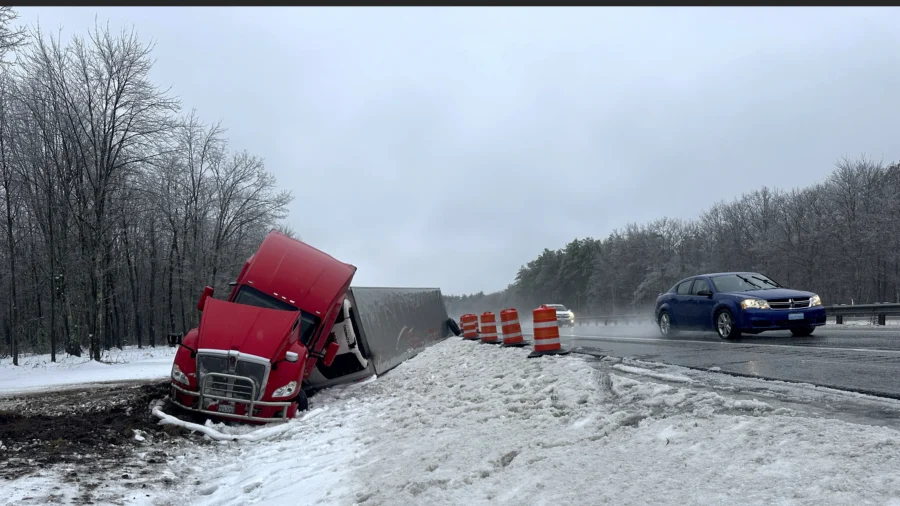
(397,323)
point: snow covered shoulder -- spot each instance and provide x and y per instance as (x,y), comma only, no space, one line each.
(36,373)
(465,423)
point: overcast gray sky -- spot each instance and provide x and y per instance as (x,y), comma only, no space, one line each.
(448,146)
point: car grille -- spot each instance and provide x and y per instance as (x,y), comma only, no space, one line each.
(789,303)
(234,388)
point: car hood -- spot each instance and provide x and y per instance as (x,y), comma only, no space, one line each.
(248,329)
(775,294)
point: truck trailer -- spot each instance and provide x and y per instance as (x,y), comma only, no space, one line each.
(292,324)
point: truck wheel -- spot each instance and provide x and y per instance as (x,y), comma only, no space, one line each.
(453,326)
(302,401)
(359,342)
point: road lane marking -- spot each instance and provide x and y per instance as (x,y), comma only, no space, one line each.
(725,343)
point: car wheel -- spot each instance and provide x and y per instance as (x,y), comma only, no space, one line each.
(665,324)
(802,331)
(725,326)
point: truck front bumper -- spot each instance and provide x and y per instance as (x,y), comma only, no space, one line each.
(245,410)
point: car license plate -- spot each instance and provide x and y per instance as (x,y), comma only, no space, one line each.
(226,408)
(795,316)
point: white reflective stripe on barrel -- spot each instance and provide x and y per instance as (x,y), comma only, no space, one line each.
(488,334)
(511,322)
(513,335)
(546,340)
(544,325)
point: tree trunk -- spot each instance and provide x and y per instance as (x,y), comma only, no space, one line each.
(171,268)
(151,317)
(13,316)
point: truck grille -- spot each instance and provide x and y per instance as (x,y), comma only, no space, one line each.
(789,303)
(234,388)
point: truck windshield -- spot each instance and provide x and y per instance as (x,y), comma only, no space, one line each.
(252,297)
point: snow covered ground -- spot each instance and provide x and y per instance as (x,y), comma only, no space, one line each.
(36,372)
(466,423)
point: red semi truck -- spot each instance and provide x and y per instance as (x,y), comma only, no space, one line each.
(293,324)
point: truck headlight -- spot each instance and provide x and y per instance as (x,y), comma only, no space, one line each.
(815,300)
(754,304)
(285,391)
(179,376)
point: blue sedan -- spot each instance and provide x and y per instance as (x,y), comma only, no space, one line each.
(732,303)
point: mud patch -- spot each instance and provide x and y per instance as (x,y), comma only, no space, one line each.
(92,435)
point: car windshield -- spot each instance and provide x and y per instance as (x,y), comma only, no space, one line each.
(252,297)
(558,307)
(743,282)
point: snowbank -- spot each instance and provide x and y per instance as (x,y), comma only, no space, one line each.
(36,372)
(466,423)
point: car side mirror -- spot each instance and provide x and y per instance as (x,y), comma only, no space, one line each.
(331,352)
(704,293)
(207,293)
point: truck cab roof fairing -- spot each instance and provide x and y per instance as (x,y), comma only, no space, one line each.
(298,273)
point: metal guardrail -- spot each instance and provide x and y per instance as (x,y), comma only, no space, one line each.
(614,320)
(881,311)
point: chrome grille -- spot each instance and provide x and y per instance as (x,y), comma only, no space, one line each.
(230,387)
(253,370)
(789,303)
(236,382)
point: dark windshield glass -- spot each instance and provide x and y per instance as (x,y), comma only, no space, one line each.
(743,282)
(308,324)
(252,297)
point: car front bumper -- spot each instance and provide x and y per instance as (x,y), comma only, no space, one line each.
(781,319)
(565,321)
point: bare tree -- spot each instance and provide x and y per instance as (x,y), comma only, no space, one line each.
(113,205)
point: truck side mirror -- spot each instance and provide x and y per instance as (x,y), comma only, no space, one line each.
(331,352)
(207,293)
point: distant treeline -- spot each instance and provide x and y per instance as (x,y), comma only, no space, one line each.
(839,238)
(116,208)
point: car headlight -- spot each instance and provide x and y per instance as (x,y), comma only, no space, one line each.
(179,376)
(754,304)
(815,300)
(571,314)
(285,391)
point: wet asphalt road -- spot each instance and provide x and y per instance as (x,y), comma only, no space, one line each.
(864,359)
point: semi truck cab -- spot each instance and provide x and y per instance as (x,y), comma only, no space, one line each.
(250,354)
